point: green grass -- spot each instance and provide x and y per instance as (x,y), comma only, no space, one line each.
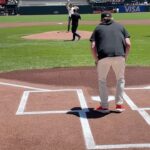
(140,37)
(89,17)
(17,53)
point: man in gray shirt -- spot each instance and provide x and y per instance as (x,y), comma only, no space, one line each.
(110,45)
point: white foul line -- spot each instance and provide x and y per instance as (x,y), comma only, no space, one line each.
(82,100)
(138,88)
(20,86)
(120,146)
(143,113)
(88,137)
(23,102)
(129,102)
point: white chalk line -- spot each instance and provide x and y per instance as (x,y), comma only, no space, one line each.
(143,113)
(138,88)
(121,146)
(20,86)
(23,102)
(25,96)
(44,112)
(88,137)
(86,129)
(129,101)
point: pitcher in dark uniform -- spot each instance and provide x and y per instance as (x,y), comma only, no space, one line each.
(75,21)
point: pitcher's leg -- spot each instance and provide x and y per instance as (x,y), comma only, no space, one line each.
(78,36)
(73,36)
(73,33)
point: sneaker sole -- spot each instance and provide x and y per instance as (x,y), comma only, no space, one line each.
(103,111)
(120,110)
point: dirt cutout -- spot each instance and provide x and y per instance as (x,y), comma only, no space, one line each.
(57,35)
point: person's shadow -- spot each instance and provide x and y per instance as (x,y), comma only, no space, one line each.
(90,113)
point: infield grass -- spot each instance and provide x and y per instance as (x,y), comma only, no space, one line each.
(17,53)
(87,17)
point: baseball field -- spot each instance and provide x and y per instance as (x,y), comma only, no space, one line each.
(48,86)
(18,53)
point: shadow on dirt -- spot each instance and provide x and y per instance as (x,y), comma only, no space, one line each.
(90,113)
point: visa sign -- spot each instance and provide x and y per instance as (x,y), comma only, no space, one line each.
(132,8)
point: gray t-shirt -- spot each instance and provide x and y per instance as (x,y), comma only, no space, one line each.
(110,39)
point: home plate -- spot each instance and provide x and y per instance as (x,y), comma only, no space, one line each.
(97,98)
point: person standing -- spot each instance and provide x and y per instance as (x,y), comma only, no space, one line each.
(110,45)
(70,8)
(75,17)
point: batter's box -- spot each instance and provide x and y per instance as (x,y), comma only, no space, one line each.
(51,101)
(141,97)
(143,111)
(140,102)
(139,126)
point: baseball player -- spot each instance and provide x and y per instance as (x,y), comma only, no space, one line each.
(75,21)
(110,45)
(69,7)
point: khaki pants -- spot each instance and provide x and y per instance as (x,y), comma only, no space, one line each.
(103,67)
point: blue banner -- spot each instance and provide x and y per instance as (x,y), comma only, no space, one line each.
(132,8)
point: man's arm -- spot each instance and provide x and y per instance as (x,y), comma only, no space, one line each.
(128,45)
(94,51)
(67,5)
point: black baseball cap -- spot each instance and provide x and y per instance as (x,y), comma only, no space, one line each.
(106,14)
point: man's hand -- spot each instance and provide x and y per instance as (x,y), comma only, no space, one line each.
(94,52)
(96,62)
(128,45)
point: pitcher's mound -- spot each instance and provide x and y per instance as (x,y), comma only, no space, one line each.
(57,35)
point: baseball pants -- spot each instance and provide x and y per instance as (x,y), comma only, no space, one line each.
(74,29)
(103,67)
(69,23)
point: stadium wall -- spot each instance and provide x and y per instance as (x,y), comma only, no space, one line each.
(41,10)
(121,8)
(133,8)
